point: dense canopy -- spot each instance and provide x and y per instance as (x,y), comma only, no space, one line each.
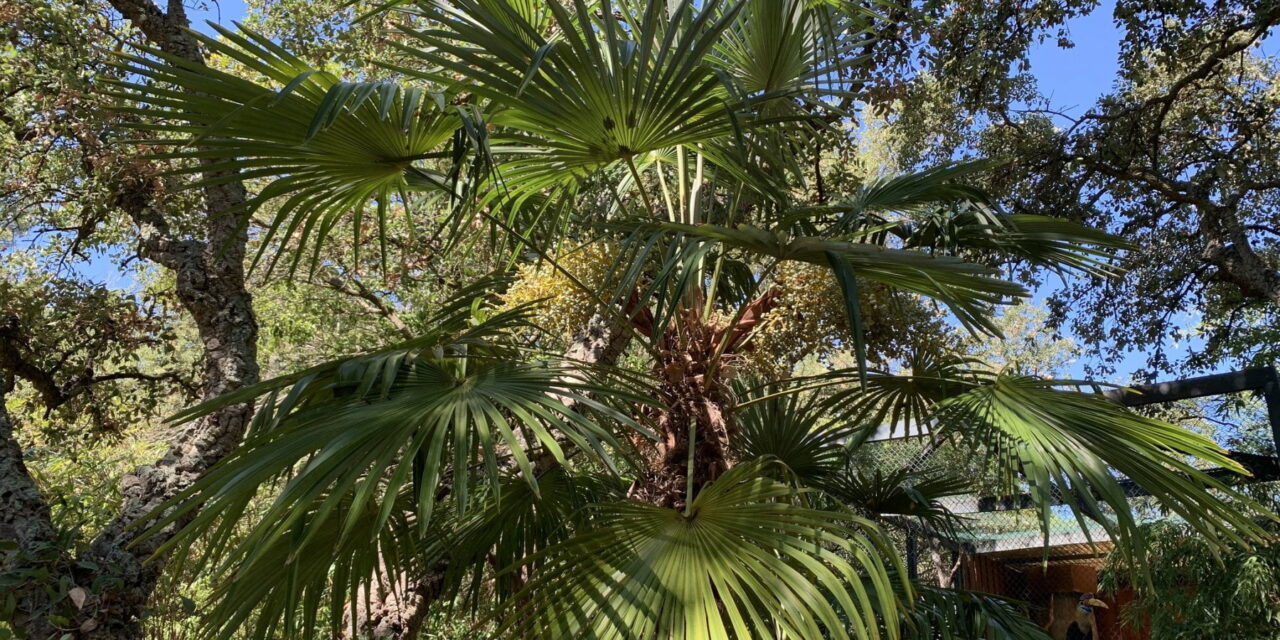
(578,317)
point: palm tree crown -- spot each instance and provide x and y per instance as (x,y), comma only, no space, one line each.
(603,438)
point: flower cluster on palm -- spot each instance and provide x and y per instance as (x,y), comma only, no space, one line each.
(687,496)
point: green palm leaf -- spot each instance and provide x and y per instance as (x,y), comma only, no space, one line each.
(616,80)
(920,190)
(457,412)
(904,403)
(328,147)
(1045,439)
(1077,443)
(936,210)
(956,614)
(794,431)
(747,562)
(281,589)
(780,47)
(506,530)
(1039,240)
(970,290)
(353,452)
(898,493)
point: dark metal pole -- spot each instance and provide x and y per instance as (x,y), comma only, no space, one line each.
(913,557)
(1271,394)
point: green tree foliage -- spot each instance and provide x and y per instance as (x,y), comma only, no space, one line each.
(1179,157)
(1199,592)
(1027,344)
(93,357)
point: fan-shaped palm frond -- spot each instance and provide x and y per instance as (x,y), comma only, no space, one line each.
(1045,439)
(897,493)
(354,446)
(1077,443)
(938,211)
(455,324)
(912,192)
(1039,240)
(747,561)
(458,412)
(517,523)
(325,559)
(902,403)
(788,48)
(956,614)
(970,290)
(330,147)
(793,430)
(609,83)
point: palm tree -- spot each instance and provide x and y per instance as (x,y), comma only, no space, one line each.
(695,488)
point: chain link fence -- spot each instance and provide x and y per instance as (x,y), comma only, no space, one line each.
(984,539)
(983,542)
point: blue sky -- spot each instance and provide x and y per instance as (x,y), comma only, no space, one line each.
(1073,79)
(223,12)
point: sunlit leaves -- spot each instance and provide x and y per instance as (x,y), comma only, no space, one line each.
(330,148)
(748,561)
(352,458)
(792,430)
(1077,443)
(970,290)
(1067,447)
(604,87)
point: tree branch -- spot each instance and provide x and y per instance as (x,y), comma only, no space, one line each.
(368,300)
(12,345)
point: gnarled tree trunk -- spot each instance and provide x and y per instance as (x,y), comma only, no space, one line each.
(24,522)
(397,607)
(112,580)
(211,287)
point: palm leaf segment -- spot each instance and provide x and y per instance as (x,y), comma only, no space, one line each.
(970,290)
(794,431)
(935,210)
(362,450)
(789,48)
(514,524)
(746,561)
(950,614)
(1077,443)
(329,147)
(603,84)
(1063,446)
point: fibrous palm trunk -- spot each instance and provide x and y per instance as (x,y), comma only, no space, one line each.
(696,407)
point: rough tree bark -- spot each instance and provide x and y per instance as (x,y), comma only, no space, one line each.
(1228,248)
(24,513)
(113,580)
(397,607)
